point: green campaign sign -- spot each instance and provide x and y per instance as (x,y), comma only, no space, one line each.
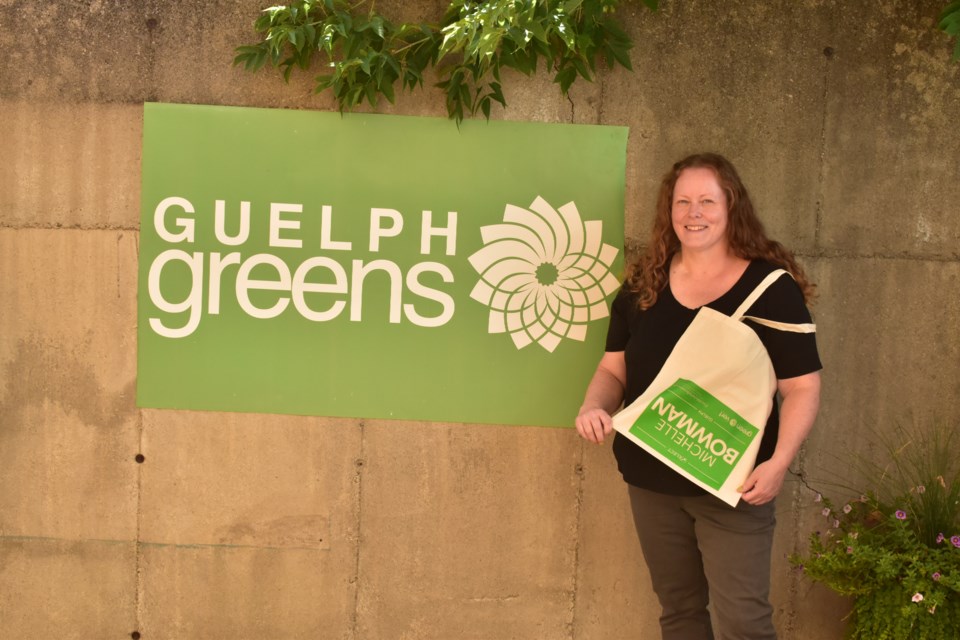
(694,430)
(375,266)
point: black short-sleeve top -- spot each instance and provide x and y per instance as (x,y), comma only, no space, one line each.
(648,336)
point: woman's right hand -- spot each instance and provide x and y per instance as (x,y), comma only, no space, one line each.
(594,424)
(604,394)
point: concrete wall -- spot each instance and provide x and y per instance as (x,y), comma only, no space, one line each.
(842,118)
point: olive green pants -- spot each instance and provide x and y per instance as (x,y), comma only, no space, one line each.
(701,551)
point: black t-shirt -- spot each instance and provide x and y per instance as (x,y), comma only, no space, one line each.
(648,337)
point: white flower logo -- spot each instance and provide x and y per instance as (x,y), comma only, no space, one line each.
(544,273)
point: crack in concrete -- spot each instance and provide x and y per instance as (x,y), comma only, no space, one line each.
(138,568)
(818,217)
(59,226)
(355,617)
(575,587)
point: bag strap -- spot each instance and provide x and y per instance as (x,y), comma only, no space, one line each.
(772,277)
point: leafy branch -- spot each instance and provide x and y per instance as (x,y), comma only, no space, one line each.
(367,55)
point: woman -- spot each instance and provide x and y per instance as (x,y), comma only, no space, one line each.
(707,249)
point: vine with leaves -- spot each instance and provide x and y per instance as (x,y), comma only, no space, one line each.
(366,55)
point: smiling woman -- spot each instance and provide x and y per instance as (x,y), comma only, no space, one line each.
(706,532)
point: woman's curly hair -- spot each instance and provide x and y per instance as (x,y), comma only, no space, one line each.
(647,276)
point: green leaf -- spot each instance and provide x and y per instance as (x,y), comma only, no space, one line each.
(497,93)
(376,24)
(621,55)
(387,90)
(323,82)
(565,78)
(581,69)
(538,31)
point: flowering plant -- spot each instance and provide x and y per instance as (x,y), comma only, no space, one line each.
(896,547)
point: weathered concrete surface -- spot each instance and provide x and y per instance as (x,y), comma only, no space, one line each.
(67,366)
(841,117)
(890,157)
(69,165)
(481,545)
(614,598)
(230,592)
(75,590)
(720,76)
(249,524)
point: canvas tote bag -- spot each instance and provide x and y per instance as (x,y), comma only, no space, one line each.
(704,413)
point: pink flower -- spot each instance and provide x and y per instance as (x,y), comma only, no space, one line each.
(936,576)
(901,514)
(818,498)
(847,508)
(955,541)
(836,525)
(826,511)
(917,597)
(849,549)
(940,538)
(921,488)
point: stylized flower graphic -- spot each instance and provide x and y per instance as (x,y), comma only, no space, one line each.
(544,273)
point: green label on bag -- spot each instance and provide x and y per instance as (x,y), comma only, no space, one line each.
(697,432)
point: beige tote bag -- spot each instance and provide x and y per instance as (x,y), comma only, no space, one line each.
(704,413)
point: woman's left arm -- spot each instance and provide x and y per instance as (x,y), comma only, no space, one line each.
(798,409)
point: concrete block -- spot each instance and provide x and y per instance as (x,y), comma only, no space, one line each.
(251,480)
(242,593)
(712,77)
(614,596)
(890,354)
(67,362)
(74,52)
(75,590)
(468,532)
(890,158)
(249,525)
(72,166)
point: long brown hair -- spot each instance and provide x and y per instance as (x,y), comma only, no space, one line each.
(647,276)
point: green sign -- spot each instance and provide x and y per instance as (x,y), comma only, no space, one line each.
(696,431)
(375,266)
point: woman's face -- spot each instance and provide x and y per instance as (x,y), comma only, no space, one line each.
(699,210)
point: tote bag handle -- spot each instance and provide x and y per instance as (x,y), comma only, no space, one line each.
(772,277)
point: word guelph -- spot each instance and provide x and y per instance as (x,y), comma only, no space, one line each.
(314,275)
